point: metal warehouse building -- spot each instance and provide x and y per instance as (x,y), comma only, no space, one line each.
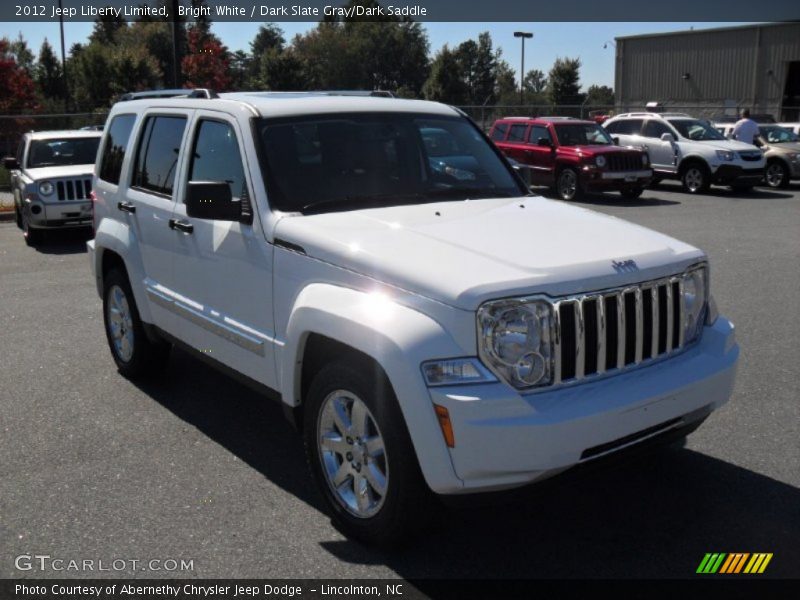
(713,71)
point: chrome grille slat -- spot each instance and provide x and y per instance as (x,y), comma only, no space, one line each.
(580,340)
(623,328)
(601,334)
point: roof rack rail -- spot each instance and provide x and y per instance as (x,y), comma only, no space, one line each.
(174,93)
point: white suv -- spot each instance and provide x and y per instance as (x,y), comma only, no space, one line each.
(428,328)
(689,149)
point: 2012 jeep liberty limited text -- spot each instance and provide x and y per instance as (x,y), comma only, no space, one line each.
(430,326)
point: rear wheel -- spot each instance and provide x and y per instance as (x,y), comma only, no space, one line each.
(696,178)
(361,457)
(568,185)
(135,354)
(631,193)
(777,174)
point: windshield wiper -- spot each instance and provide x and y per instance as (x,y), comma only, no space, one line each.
(351,202)
(468,193)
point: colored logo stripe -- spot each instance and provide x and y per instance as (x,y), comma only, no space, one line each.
(720,562)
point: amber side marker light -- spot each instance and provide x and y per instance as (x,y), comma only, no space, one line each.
(446,425)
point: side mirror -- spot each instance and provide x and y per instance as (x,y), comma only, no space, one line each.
(667,137)
(212,200)
(544,142)
(615,139)
(10,163)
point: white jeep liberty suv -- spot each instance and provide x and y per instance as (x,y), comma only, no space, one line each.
(430,326)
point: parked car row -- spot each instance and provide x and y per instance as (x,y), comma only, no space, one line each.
(633,150)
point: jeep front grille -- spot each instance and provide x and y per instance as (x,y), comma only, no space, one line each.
(596,333)
(624,162)
(74,189)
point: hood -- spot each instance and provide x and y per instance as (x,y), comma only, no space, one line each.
(734,145)
(464,253)
(595,149)
(784,148)
(62,172)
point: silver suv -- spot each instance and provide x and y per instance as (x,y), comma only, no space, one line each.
(691,150)
(51,180)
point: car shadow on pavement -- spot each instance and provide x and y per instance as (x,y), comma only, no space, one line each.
(646,199)
(653,515)
(67,241)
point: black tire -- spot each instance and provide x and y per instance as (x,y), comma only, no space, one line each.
(146,357)
(33,237)
(568,185)
(777,175)
(17,213)
(631,193)
(408,505)
(696,178)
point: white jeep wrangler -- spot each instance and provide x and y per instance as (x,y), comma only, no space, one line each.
(688,149)
(431,331)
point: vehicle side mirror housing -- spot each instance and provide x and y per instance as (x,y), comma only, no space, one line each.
(615,139)
(212,200)
(10,163)
(667,137)
(544,142)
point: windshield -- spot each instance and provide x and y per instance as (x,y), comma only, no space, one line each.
(62,152)
(777,135)
(582,134)
(326,163)
(699,131)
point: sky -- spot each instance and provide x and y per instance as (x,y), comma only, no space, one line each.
(550,41)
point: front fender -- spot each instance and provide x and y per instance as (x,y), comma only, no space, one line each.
(398,338)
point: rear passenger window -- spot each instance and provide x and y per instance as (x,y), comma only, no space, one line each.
(655,129)
(119,132)
(538,132)
(216,157)
(499,132)
(625,127)
(157,155)
(517,133)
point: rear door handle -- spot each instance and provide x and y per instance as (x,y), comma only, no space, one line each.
(183,226)
(126,207)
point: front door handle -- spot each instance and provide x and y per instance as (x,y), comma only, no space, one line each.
(126,207)
(183,226)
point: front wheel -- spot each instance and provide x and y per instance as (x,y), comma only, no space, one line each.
(568,185)
(777,175)
(133,352)
(631,193)
(361,457)
(696,179)
(33,236)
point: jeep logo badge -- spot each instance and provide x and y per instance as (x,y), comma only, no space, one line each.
(624,266)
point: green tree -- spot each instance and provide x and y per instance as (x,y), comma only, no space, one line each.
(599,95)
(506,90)
(445,83)
(535,81)
(563,82)
(106,28)
(22,54)
(47,74)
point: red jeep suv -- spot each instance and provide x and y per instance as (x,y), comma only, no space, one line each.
(572,156)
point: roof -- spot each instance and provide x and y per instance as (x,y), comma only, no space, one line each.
(64,134)
(553,120)
(288,104)
(698,31)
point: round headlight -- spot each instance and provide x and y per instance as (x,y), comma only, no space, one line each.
(515,341)
(45,188)
(645,159)
(600,161)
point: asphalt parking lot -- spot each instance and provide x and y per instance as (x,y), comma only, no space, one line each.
(197,467)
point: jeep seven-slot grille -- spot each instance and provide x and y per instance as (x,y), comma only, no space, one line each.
(599,332)
(74,189)
(624,162)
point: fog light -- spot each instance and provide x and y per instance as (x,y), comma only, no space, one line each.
(36,209)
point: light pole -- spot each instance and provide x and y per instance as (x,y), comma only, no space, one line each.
(523,35)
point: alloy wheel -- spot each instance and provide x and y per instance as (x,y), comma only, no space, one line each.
(120,323)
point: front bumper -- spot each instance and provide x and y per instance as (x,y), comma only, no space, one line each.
(734,174)
(595,179)
(504,439)
(64,214)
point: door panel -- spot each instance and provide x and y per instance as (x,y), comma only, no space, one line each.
(663,155)
(223,270)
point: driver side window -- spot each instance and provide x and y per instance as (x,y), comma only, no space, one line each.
(216,157)
(655,129)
